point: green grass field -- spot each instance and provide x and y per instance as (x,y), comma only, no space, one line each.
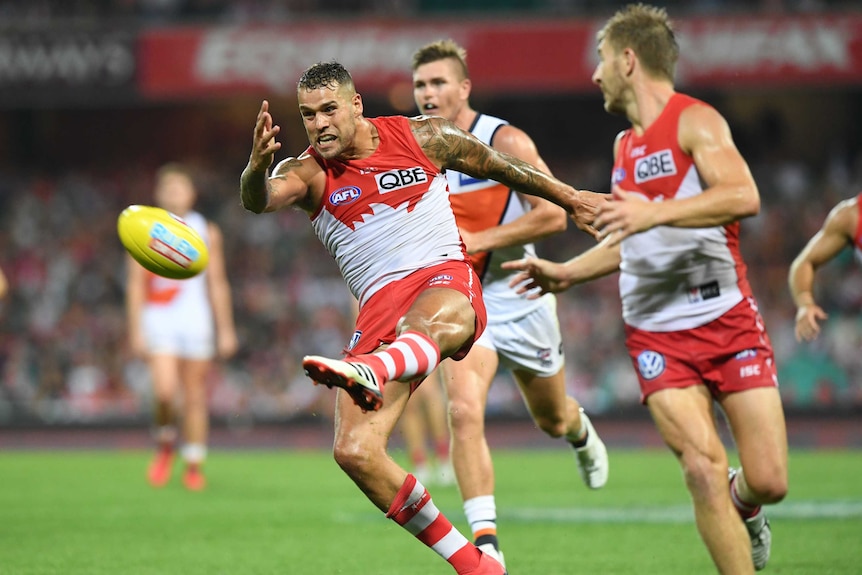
(295,513)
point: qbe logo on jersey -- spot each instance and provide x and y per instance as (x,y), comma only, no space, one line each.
(657,165)
(403,178)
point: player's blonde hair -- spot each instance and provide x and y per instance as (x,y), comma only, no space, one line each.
(441,50)
(648,31)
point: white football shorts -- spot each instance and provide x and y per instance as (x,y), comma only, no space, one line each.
(167,335)
(530,343)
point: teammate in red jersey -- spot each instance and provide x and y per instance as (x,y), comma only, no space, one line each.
(498,224)
(695,337)
(375,191)
(179,326)
(842,228)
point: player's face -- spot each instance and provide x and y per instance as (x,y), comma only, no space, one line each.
(439,90)
(607,76)
(329,115)
(175,193)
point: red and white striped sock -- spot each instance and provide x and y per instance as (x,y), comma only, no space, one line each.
(413,510)
(745,509)
(412,355)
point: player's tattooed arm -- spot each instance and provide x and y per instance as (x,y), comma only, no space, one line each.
(451,147)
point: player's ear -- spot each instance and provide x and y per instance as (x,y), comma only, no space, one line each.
(466,87)
(629,59)
(357,105)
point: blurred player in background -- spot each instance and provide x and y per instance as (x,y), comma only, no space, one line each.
(375,192)
(425,430)
(695,337)
(840,230)
(499,224)
(179,326)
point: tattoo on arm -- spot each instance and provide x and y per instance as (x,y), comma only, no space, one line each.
(451,147)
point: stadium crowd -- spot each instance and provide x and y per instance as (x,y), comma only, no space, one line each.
(63,344)
(233,11)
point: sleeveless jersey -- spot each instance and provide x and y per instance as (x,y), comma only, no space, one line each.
(857,237)
(385,216)
(673,278)
(482,204)
(181,301)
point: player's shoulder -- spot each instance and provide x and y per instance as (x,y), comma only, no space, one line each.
(844,216)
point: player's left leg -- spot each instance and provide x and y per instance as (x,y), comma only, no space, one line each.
(560,415)
(195,420)
(360,449)
(756,419)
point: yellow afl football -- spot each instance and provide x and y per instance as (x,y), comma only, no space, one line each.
(162,242)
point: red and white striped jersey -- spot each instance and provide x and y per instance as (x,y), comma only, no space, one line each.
(385,216)
(673,278)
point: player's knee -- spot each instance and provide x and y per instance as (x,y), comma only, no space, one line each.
(705,475)
(352,457)
(551,425)
(466,416)
(768,487)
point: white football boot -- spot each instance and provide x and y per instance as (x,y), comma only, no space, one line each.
(592,458)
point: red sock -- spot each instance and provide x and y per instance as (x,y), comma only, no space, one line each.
(413,510)
(410,356)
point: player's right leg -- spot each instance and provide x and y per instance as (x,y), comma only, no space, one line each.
(560,415)
(467,383)
(195,421)
(684,417)
(757,421)
(164,373)
(360,450)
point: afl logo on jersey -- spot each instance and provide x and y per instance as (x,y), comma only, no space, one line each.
(343,196)
(651,364)
(657,165)
(618,175)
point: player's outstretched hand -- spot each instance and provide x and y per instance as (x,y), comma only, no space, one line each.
(807,316)
(537,277)
(584,215)
(264,145)
(628,214)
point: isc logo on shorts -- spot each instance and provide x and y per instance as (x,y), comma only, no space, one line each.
(657,165)
(397,179)
(651,364)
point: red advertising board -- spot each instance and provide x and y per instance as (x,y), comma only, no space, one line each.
(525,56)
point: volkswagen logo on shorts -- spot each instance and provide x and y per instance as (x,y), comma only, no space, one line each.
(650,364)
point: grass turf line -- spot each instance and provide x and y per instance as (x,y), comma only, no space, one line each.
(295,513)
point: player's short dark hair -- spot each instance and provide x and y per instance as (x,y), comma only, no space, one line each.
(325,75)
(648,31)
(441,50)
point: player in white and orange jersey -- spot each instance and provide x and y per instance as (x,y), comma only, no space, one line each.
(376,194)
(179,326)
(842,228)
(499,224)
(680,187)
